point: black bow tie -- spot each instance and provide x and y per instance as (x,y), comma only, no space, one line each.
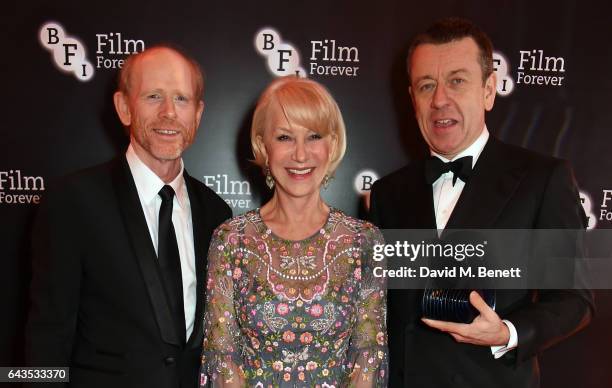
(461,168)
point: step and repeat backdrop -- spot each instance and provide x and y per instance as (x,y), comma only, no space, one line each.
(60,60)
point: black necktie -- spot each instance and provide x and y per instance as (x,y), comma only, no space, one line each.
(461,168)
(169,260)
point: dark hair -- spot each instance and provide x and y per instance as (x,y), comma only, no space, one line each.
(450,29)
(123,80)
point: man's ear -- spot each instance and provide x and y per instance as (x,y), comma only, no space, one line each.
(490,91)
(122,107)
(199,112)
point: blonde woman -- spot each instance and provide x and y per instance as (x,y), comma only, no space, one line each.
(291,298)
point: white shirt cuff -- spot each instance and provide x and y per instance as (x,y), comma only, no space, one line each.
(500,350)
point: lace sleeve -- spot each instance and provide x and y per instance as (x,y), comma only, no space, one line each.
(368,352)
(222,350)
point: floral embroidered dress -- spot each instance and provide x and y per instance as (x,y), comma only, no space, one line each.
(306,313)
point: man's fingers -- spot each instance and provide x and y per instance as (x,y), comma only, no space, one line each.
(482,306)
(450,327)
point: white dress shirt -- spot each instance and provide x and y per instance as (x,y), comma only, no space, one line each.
(445,197)
(148,185)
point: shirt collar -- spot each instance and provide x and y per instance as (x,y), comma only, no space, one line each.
(474,150)
(149,184)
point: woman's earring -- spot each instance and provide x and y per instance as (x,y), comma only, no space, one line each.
(269,179)
(326,180)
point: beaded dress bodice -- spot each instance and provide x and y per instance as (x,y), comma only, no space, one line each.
(284,313)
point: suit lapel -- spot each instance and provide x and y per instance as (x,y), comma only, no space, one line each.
(142,246)
(199,233)
(492,184)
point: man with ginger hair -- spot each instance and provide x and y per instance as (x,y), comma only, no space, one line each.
(119,249)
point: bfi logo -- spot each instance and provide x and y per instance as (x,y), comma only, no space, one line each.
(112,44)
(605,213)
(237,193)
(17,188)
(586,202)
(327,50)
(501,67)
(538,62)
(282,58)
(364,181)
(68,52)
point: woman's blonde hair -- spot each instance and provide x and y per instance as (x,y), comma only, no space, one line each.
(303,102)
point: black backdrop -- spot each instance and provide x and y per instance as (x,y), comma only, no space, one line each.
(53,123)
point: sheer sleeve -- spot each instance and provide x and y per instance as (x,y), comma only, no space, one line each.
(368,352)
(222,350)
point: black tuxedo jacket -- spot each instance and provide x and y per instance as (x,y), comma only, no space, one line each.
(98,304)
(511,188)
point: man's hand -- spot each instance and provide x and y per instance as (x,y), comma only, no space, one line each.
(487,329)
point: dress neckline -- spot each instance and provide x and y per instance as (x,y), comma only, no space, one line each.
(321,231)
